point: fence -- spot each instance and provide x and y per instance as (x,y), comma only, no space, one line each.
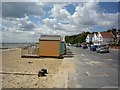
(30,50)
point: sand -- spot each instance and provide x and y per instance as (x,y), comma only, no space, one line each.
(57,77)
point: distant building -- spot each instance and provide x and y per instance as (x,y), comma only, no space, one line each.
(106,38)
(95,39)
(89,38)
(118,37)
(101,38)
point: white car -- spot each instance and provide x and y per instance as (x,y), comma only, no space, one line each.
(102,49)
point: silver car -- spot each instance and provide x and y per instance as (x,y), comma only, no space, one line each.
(102,49)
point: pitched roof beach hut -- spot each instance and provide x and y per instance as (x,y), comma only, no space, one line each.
(49,45)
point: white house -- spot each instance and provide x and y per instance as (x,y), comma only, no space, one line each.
(95,39)
(89,38)
(106,38)
(118,36)
(103,38)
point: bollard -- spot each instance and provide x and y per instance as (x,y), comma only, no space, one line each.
(41,73)
(45,70)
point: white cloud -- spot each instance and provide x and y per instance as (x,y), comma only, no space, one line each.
(59,12)
(23,24)
(20,9)
(50,22)
(26,24)
(108,20)
(60,22)
(26,36)
(86,17)
(53,24)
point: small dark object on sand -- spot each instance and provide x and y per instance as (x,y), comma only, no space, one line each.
(30,62)
(41,73)
(45,70)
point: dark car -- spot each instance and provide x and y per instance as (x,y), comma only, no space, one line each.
(103,49)
(93,48)
(78,45)
(84,46)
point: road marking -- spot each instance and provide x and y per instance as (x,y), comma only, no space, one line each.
(87,73)
(97,74)
(94,63)
(78,86)
(89,63)
(86,59)
(109,87)
(66,82)
(109,59)
(82,55)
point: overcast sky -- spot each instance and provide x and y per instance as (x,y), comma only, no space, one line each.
(26,21)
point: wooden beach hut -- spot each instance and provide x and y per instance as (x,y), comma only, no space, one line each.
(49,45)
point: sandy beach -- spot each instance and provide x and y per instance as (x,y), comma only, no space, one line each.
(57,76)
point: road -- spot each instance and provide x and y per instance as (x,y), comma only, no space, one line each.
(94,70)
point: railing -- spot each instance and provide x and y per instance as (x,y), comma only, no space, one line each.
(29,50)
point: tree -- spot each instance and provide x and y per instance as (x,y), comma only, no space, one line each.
(76,38)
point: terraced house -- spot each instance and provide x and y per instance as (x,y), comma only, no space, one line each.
(89,38)
(102,38)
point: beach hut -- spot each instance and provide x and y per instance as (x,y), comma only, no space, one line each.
(62,48)
(49,45)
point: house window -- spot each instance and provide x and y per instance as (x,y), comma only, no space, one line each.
(100,38)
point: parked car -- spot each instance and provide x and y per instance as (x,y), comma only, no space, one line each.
(84,46)
(102,49)
(93,48)
(78,45)
(89,46)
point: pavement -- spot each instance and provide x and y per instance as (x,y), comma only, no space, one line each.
(94,70)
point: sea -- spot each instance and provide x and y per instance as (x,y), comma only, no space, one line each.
(13,45)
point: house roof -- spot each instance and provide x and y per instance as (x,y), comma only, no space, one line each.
(91,35)
(96,33)
(50,37)
(107,34)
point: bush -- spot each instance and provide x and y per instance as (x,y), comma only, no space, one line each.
(114,44)
(118,43)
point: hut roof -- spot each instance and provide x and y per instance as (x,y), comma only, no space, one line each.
(50,37)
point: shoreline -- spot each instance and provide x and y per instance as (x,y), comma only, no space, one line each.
(8,49)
